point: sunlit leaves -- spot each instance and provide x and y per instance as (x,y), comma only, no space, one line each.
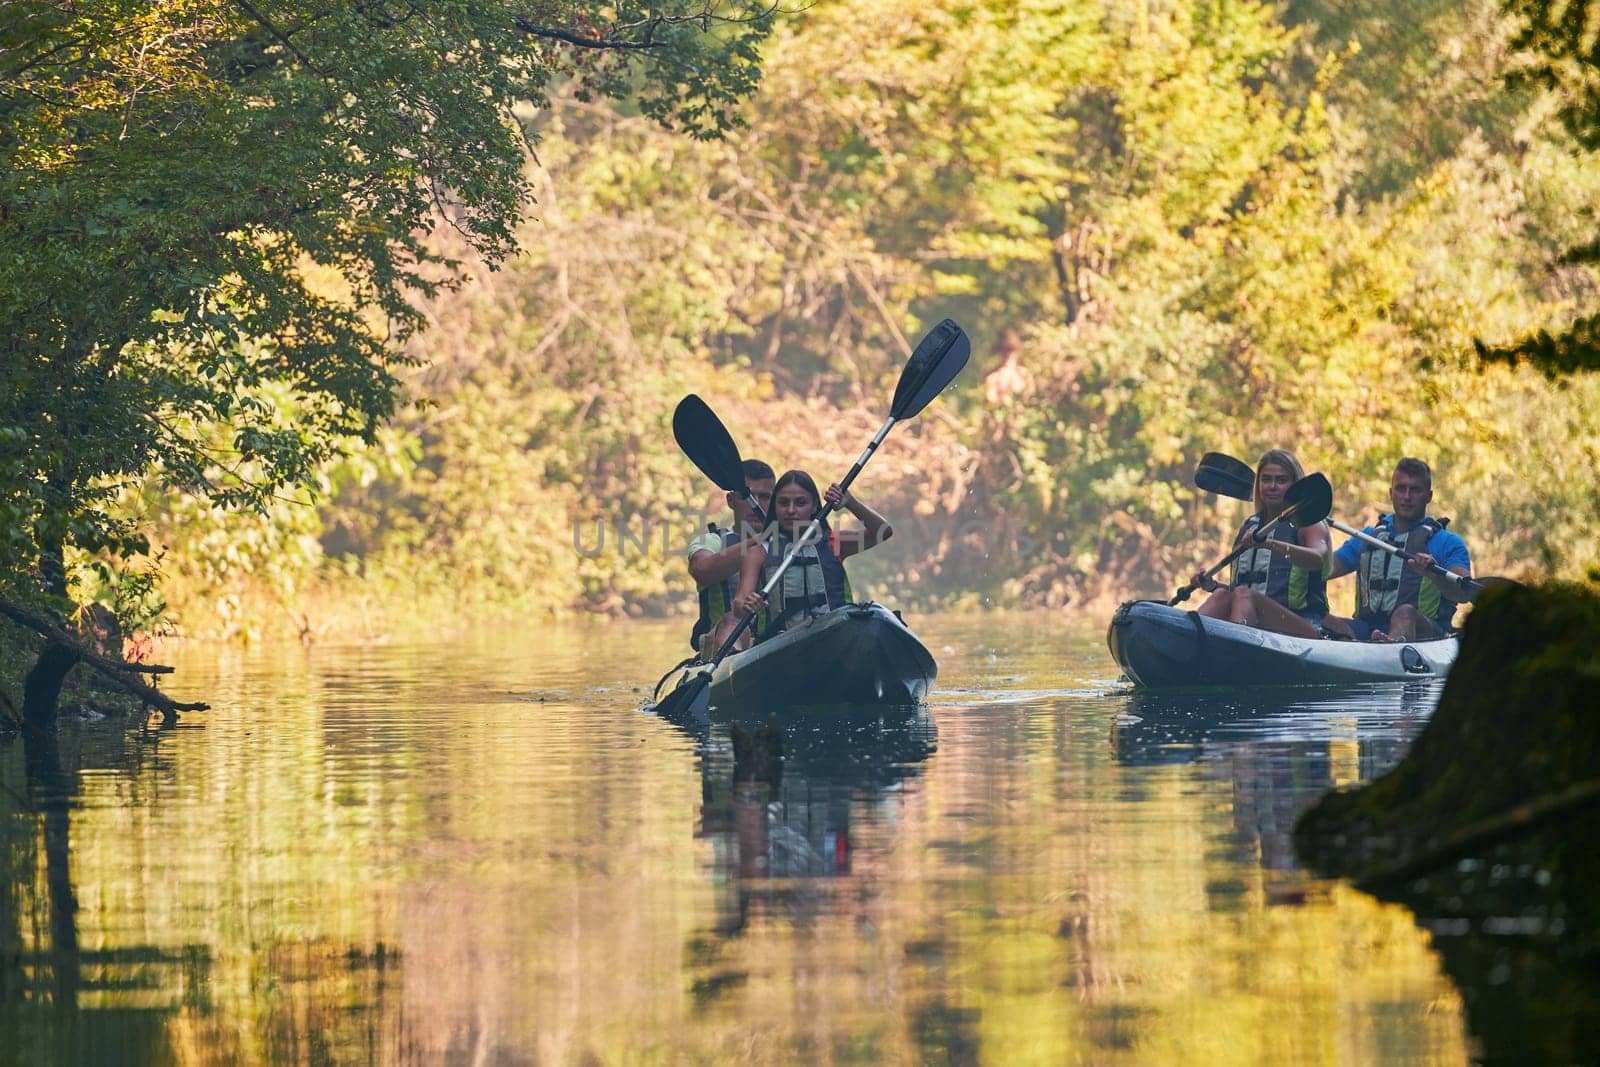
(199,199)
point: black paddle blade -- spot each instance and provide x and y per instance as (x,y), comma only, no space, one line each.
(1309,500)
(707,443)
(938,358)
(688,702)
(1222,474)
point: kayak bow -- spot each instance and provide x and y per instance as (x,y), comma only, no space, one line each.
(857,654)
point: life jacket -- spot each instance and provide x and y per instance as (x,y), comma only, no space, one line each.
(717,598)
(814,584)
(1302,591)
(1384,582)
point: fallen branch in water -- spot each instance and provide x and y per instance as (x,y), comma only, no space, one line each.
(117,671)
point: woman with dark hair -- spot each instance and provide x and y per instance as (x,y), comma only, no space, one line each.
(1277,585)
(815,583)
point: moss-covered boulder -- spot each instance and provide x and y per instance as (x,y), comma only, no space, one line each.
(1489,829)
(1518,723)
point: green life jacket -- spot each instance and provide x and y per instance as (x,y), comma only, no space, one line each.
(716,598)
(1384,582)
(814,584)
(1302,591)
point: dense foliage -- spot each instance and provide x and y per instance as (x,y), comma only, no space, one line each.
(1169,228)
(1559,38)
(215,220)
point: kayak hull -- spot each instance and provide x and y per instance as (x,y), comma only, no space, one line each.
(1162,647)
(859,654)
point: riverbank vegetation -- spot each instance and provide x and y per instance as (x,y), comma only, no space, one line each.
(1169,229)
(216,227)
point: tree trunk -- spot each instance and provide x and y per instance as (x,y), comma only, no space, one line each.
(50,534)
(42,687)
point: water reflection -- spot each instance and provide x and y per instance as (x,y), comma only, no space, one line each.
(74,991)
(1278,750)
(801,794)
(46,972)
(480,851)
(1180,727)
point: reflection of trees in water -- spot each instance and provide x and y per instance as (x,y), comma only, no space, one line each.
(65,998)
(45,975)
(1280,749)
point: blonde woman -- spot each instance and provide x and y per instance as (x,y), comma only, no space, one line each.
(1278,585)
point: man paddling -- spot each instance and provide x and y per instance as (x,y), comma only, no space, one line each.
(714,555)
(1398,600)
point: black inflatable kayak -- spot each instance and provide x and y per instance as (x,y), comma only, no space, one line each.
(1161,647)
(859,654)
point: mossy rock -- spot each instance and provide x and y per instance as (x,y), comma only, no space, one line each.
(1518,721)
(1489,829)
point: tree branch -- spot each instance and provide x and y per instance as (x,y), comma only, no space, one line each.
(118,672)
(551,33)
(612,40)
(278,35)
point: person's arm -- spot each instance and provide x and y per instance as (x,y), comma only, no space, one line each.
(1452,556)
(875,528)
(1345,559)
(1208,583)
(709,567)
(749,599)
(1310,549)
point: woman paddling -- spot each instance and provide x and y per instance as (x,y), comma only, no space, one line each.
(1279,584)
(815,583)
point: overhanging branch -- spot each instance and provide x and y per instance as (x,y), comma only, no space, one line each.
(552,33)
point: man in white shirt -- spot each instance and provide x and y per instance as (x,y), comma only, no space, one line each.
(714,559)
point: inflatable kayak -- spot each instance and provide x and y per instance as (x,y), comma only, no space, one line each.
(859,654)
(1161,647)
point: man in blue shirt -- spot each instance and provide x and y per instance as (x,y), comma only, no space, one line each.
(1398,600)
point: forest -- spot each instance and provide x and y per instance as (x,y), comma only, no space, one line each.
(278,390)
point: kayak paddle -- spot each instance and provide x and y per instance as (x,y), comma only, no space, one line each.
(709,446)
(1309,500)
(938,358)
(1468,587)
(1222,474)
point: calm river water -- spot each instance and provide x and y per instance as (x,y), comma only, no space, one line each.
(483,851)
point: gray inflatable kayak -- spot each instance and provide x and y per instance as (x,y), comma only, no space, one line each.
(1161,647)
(859,654)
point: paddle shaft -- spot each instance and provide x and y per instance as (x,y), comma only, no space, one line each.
(1464,585)
(806,538)
(750,498)
(1183,591)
